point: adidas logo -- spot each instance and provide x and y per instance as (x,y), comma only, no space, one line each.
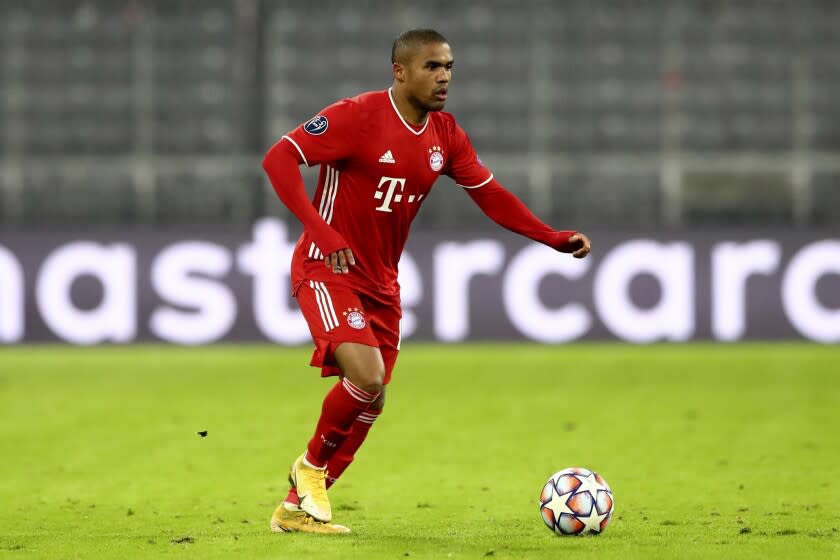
(387,157)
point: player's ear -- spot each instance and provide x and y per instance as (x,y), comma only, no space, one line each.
(399,71)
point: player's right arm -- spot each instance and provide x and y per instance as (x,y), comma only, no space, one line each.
(326,138)
(281,165)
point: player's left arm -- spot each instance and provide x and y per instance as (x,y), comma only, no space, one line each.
(501,205)
(504,208)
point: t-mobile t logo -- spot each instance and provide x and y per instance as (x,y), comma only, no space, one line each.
(387,195)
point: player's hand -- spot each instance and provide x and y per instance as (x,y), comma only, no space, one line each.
(340,261)
(581,244)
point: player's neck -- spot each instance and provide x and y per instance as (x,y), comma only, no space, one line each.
(410,113)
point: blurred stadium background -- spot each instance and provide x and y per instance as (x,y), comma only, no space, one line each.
(657,117)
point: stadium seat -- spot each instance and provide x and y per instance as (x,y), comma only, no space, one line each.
(736,199)
(825,200)
(737,89)
(209,194)
(581,78)
(588,198)
(76,72)
(79,196)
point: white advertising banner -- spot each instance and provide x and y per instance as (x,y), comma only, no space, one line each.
(200,288)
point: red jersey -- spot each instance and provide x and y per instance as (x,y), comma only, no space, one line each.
(376,171)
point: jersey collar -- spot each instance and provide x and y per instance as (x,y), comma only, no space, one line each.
(408,126)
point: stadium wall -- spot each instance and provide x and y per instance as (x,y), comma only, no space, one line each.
(199,288)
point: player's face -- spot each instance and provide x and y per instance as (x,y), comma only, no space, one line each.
(427,76)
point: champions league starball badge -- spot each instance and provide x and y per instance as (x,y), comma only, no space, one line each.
(436,158)
(317,125)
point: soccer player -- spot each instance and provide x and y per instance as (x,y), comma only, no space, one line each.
(380,153)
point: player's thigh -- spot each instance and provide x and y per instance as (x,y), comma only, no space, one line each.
(386,324)
(362,365)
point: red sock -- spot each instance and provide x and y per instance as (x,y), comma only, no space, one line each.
(292,496)
(341,407)
(343,456)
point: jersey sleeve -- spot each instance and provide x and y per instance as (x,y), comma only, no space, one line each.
(465,167)
(329,136)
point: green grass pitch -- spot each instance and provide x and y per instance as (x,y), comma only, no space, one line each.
(711,451)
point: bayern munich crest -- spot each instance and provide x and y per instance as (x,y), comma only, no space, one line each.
(436,158)
(355,318)
(317,125)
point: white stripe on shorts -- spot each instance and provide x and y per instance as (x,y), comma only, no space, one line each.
(325,316)
(330,307)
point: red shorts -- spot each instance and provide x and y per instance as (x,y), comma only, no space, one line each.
(337,314)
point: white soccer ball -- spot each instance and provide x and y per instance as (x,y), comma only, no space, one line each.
(575,501)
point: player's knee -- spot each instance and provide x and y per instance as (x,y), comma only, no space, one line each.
(368,377)
(379,403)
(363,366)
(372,379)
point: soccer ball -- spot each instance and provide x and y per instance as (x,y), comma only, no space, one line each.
(576,501)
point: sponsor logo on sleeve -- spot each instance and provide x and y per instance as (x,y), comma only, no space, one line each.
(317,125)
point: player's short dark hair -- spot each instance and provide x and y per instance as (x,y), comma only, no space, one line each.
(410,40)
